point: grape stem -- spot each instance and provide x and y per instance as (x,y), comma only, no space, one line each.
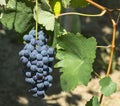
(36,19)
(81,14)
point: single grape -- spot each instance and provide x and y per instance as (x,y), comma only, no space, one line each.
(40,85)
(27,38)
(41,92)
(28,74)
(28,64)
(24,59)
(49,78)
(30,80)
(45,59)
(21,53)
(43,52)
(35,95)
(39,63)
(46,83)
(34,62)
(33,89)
(39,57)
(50,51)
(33,67)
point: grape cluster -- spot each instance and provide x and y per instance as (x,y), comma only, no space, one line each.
(37,58)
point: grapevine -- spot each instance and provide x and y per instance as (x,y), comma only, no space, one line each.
(71,57)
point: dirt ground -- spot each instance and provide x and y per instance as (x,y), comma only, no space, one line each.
(13,89)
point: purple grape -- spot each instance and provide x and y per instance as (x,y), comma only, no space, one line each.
(35,95)
(45,59)
(44,52)
(30,80)
(49,78)
(33,89)
(22,52)
(41,92)
(33,67)
(40,85)
(39,57)
(28,64)
(24,59)
(27,38)
(50,51)
(28,74)
(39,63)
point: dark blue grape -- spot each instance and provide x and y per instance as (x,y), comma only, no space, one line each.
(39,69)
(33,55)
(33,67)
(50,51)
(51,59)
(33,89)
(28,74)
(33,41)
(49,78)
(50,70)
(41,92)
(39,57)
(45,59)
(34,62)
(38,48)
(40,85)
(30,80)
(24,59)
(44,52)
(29,47)
(27,38)
(39,63)
(32,33)
(22,52)
(35,95)
(46,83)
(28,64)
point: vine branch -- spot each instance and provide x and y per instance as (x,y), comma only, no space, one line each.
(112,46)
(114,25)
(82,14)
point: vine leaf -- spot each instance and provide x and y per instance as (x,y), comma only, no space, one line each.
(76,54)
(107,86)
(93,102)
(66,3)
(46,18)
(2,2)
(17,16)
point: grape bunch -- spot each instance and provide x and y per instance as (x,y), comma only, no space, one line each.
(37,58)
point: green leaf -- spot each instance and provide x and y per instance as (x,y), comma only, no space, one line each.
(93,102)
(66,3)
(107,86)
(58,30)
(74,3)
(17,16)
(2,2)
(46,18)
(76,54)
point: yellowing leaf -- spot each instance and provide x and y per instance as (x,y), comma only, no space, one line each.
(57,8)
